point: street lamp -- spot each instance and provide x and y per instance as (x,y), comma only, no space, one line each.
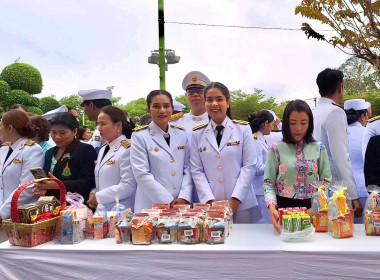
(170,56)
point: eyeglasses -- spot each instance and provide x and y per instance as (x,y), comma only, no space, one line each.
(194,90)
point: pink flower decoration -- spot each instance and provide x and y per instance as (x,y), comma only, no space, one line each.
(287,192)
(286,181)
(315,167)
(282,168)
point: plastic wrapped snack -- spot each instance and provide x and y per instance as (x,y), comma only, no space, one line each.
(296,227)
(167,228)
(161,206)
(319,209)
(154,214)
(123,227)
(215,227)
(181,208)
(98,224)
(372,211)
(189,229)
(341,223)
(142,229)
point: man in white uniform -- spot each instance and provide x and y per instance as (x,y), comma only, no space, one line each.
(194,83)
(93,101)
(330,128)
(372,129)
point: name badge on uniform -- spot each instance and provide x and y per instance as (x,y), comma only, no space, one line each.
(233,143)
(17,160)
(97,138)
(110,162)
(182,147)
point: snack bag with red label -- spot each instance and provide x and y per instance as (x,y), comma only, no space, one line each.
(215,227)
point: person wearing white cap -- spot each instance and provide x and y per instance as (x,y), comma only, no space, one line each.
(177,106)
(330,128)
(193,84)
(372,129)
(357,117)
(274,136)
(93,101)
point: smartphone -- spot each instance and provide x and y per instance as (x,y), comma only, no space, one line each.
(38,172)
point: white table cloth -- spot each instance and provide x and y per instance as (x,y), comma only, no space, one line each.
(251,252)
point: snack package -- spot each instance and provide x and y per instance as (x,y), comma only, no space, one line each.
(154,214)
(181,208)
(99,222)
(167,228)
(203,206)
(341,219)
(161,206)
(217,206)
(215,227)
(296,227)
(77,211)
(123,227)
(189,229)
(319,209)
(372,211)
(141,229)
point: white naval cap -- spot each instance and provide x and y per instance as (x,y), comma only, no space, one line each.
(94,94)
(195,79)
(272,113)
(356,104)
(178,106)
(51,114)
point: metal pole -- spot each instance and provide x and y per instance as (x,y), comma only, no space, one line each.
(161,38)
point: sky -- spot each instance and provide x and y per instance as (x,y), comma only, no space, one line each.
(93,44)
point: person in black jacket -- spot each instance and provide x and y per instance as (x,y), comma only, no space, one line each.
(372,162)
(70,161)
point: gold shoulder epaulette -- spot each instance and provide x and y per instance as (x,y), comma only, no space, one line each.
(240,122)
(29,143)
(256,136)
(178,126)
(6,144)
(176,116)
(374,119)
(140,127)
(105,143)
(200,126)
(125,143)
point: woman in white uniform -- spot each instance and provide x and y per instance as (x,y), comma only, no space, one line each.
(113,171)
(223,156)
(357,118)
(17,155)
(160,157)
(261,125)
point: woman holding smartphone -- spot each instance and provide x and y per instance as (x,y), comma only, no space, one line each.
(223,156)
(160,156)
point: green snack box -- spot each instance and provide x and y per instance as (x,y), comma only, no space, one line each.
(287,223)
(306,221)
(297,223)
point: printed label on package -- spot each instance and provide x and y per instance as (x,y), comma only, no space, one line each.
(188,232)
(216,233)
(165,237)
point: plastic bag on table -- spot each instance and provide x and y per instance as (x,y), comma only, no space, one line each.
(319,208)
(341,218)
(114,216)
(305,235)
(123,227)
(372,211)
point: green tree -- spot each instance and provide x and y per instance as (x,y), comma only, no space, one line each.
(243,104)
(49,103)
(34,110)
(182,99)
(4,89)
(22,76)
(355,21)
(372,97)
(135,109)
(17,96)
(359,76)
(72,101)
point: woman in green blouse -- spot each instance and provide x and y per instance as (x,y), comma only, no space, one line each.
(294,164)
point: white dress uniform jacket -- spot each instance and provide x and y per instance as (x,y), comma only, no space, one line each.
(330,128)
(96,140)
(261,213)
(355,137)
(162,173)
(15,171)
(114,176)
(226,171)
(372,129)
(189,121)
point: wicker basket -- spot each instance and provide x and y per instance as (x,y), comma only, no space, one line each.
(30,235)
